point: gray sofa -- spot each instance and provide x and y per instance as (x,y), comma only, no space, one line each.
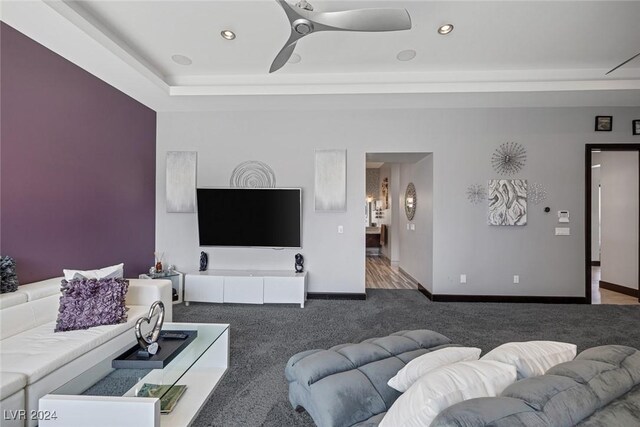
(600,387)
(347,384)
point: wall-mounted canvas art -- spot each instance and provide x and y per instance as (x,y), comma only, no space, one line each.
(331,181)
(181,181)
(507,202)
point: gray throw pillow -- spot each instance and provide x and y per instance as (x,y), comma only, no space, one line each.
(8,276)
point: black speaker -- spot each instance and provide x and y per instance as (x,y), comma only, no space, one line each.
(204,261)
(299,263)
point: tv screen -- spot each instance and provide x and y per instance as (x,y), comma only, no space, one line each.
(249,217)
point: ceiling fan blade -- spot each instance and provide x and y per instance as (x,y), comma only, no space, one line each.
(362,20)
(283,56)
(625,62)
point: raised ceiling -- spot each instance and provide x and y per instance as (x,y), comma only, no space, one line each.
(496,47)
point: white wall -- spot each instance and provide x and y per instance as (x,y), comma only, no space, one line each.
(461,140)
(416,246)
(620,210)
(595,207)
(385,172)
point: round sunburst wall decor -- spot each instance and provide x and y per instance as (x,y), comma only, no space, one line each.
(410,201)
(509,158)
(476,193)
(536,193)
(253,174)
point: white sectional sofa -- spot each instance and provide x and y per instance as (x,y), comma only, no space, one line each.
(35,360)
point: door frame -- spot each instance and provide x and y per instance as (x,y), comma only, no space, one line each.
(588,150)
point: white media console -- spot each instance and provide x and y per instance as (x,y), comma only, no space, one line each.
(246,286)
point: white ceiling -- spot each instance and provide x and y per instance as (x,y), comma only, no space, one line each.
(497,47)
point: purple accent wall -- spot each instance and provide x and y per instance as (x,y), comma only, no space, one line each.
(77,166)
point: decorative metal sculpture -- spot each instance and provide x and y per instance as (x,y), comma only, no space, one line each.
(410,201)
(253,174)
(536,193)
(149,342)
(509,158)
(477,193)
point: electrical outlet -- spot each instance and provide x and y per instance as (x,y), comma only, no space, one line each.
(463,278)
(413,227)
(340,229)
(407,226)
(516,279)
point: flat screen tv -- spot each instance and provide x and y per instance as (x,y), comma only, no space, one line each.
(269,217)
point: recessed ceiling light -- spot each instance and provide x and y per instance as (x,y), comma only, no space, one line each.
(228,34)
(295,58)
(445,29)
(181,59)
(406,55)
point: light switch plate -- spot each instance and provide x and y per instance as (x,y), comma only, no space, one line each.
(407,226)
(563,231)
(340,229)
(463,278)
(413,226)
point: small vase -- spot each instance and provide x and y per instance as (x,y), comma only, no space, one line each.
(158,267)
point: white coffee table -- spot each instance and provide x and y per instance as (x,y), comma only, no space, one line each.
(106,397)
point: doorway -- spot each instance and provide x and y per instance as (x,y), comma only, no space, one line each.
(612,223)
(398,245)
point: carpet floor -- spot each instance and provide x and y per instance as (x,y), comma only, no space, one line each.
(254,391)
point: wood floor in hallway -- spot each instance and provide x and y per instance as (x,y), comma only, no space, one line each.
(605,296)
(380,275)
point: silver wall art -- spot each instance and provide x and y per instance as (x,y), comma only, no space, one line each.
(507,202)
(477,194)
(331,181)
(509,158)
(252,174)
(181,181)
(536,193)
(410,201)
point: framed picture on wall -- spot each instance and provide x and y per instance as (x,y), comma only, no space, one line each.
(636,127)
(604,123)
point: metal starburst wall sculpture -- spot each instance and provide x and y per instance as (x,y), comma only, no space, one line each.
(476,193)
(536,193)
(509,158)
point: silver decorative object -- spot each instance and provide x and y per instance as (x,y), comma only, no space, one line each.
(507,202)
(149,342)
(536,193)
(181,181)
(253,174)
(476,193)
(331,181)
(509,158)
(410,201)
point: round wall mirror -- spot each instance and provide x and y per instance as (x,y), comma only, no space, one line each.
(410,201)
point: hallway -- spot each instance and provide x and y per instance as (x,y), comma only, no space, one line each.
(605,296)
(380,275)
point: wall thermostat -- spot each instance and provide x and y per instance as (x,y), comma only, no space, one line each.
(563,216)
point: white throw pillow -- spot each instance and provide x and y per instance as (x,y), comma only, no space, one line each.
(430,361)
(532,358)
(439,389)
(112,272)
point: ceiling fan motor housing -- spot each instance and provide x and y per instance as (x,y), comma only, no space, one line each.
(302,26)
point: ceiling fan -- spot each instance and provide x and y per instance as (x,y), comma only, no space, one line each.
(624,63)
(305,21)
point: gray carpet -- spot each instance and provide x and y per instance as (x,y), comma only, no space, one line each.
(263,337)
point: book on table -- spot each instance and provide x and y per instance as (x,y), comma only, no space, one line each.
(169,395)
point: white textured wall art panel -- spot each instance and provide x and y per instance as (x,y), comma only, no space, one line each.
(331,181)
(181,181)
(507,202)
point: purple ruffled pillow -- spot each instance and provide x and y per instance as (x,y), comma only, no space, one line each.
(92,302)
